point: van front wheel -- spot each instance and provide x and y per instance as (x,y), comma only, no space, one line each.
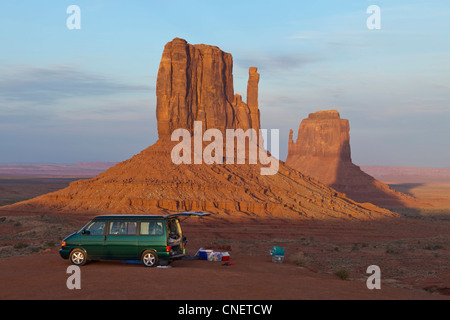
(149,258)
(78,257)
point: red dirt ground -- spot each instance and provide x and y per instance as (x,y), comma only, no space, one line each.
(43,276)
(413,255)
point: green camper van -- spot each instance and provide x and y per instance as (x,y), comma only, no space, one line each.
(150,239)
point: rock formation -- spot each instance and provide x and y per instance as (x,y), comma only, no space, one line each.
(324,135)
(252,97)
(322,151)
(195,83)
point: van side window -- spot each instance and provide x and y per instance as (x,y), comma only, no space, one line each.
(152,228)
(122,227)
(131,229)
(96,228)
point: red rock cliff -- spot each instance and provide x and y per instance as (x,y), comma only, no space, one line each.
(322,151)
(324,135)
(195,83)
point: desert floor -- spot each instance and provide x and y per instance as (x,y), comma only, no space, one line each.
(412,252)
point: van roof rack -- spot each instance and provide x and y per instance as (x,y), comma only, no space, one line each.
(173,215)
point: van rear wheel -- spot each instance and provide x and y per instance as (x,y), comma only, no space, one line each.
(149,258)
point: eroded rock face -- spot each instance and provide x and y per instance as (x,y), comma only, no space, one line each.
(324,135)
(252,97)
(322,151)
(195,83)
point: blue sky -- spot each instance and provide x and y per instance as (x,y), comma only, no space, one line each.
(89,94)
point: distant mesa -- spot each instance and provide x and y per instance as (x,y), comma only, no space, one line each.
(322,151)
(195,83)
(75,170)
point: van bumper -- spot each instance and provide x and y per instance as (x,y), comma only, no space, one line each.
(64,253)
(176,257)
(171,258)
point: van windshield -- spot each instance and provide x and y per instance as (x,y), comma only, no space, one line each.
(95,228)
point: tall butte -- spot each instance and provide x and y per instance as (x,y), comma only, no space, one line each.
(322,151)
(195,83)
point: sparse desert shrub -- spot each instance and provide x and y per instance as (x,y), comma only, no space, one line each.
(50,244)
(342,274)
(2,219)
(431,289)
(435,247)
(300,260)
(35,249)
(390,250)
(20,245)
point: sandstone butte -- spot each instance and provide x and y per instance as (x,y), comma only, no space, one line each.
(322,151)
(195,83)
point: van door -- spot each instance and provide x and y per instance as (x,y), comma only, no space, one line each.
(93,239)
(121,240)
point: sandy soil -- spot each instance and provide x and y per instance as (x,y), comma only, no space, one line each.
(15,189)
(43,276)
(435,193)
(413,255)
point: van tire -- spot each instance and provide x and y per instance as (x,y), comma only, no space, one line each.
(149,258)
(78,257)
